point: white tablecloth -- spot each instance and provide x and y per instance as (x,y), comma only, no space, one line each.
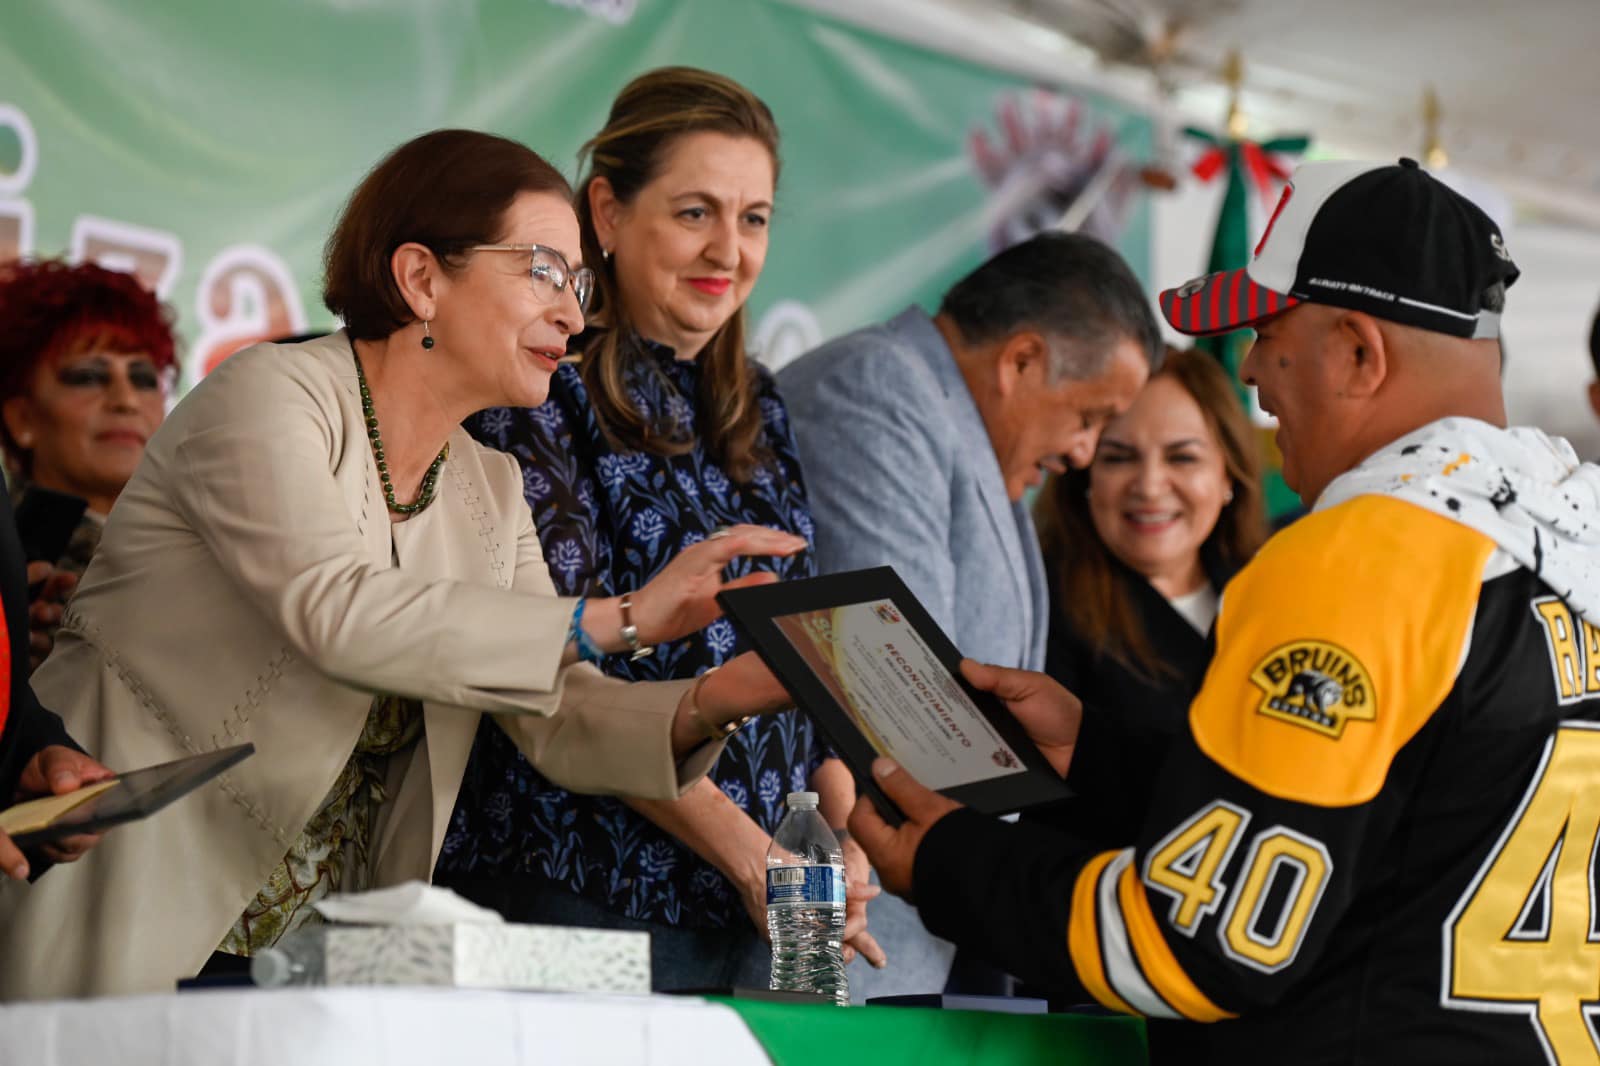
(375,1027)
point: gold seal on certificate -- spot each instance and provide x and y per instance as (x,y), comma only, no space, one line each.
(863,657)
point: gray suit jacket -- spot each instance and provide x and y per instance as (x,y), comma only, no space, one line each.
(900,471)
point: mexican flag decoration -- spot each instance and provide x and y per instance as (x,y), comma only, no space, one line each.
(1250,166)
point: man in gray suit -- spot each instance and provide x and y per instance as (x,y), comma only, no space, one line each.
(920,437)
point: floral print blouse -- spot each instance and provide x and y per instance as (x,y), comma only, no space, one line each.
(608,521)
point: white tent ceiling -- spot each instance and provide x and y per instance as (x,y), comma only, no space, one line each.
(1519,83)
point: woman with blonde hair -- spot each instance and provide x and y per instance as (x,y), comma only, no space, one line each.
(664,432)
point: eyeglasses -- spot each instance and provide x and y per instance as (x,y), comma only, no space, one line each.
(549,270)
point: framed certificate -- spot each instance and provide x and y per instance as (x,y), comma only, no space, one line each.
(864,658)
(124,798)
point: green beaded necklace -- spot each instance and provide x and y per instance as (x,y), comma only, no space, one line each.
(430,480)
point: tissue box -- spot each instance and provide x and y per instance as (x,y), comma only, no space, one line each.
(544,958)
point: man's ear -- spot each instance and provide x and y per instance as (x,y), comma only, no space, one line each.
(1021,362)
(1594,398)
(418,276)
(1360,355)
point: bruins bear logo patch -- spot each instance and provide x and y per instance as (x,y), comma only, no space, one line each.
(1315,684)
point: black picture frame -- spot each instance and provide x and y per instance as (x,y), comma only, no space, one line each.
(137,794)
(755,611)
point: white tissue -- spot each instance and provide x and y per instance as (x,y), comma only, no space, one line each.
(411,903)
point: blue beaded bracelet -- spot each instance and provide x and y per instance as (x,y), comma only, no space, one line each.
(588,651)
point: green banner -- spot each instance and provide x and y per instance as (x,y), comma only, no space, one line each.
(208,146)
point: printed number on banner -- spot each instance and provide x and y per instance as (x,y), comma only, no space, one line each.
(1524,936)
(1187,866)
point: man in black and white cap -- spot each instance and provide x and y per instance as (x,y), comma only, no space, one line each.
(1390,240)
(1412,259)
(1378,839)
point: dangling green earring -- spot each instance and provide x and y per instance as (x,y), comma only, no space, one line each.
(427,337)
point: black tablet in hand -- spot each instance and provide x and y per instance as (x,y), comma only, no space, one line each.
(124,798)
(868,663)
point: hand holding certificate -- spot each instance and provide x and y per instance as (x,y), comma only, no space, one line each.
(60,774)
(1050,714)
(862,656)
(94,800)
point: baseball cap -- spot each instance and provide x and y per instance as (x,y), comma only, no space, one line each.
(1387,239)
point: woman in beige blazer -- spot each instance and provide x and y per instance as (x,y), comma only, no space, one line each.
(315,558)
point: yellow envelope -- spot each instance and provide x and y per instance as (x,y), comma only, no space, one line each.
(36,814)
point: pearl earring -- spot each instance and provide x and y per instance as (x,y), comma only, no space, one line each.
(427,336)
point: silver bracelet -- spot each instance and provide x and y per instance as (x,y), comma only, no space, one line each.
(630,632)
(711,731)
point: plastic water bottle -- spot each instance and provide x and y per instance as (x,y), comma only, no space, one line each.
(805,903)
(298,958)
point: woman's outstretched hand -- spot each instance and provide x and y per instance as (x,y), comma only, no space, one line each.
(681,599)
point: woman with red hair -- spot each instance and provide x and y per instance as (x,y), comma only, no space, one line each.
(86,359)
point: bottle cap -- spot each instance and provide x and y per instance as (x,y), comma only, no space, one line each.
(802,799)
(270,968)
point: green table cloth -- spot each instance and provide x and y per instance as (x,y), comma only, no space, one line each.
(798,1034)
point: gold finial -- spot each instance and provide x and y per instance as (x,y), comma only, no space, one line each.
(1233,77)
(1433,153)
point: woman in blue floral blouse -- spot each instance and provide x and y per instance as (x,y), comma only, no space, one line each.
(663,434)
